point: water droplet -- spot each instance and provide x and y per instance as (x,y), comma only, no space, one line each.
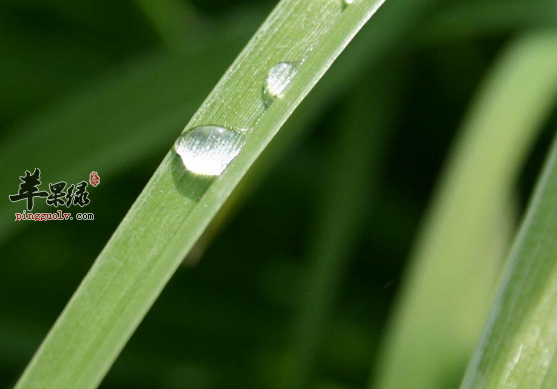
(278,79)
(208,150)
(346,3)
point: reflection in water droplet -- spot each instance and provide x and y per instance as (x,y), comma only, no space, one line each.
(209,149)
(278,79)
(348,2)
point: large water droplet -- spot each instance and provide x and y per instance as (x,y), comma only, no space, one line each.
(209,149)
(278,79)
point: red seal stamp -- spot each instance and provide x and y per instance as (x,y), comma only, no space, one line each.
(94,179)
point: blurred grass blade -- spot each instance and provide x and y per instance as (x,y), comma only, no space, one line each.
(519,346)
(352,177)
(486,18)
(174,21)
(455,261)
(550,378)
(176,206)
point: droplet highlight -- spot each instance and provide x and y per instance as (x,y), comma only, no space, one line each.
(207,150)
(346,3)
(278,79)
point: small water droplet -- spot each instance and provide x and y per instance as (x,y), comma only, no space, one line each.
(346,3)
(208,150)
(278,79)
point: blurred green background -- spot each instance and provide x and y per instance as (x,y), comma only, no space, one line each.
(108,85)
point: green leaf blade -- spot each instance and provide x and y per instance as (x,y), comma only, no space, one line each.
(176,206)
(456,259)
(520,342)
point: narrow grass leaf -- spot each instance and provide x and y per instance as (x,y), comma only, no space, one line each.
(455,261)
(519,346)
(176,205)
